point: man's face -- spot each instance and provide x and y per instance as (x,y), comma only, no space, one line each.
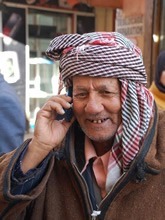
(97,106)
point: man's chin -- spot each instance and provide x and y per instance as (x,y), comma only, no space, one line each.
(99,138)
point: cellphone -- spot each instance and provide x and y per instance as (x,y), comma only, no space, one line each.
(68,112)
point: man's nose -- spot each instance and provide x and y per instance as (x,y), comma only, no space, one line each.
(93,105)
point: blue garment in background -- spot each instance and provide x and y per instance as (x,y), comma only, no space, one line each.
(12,118)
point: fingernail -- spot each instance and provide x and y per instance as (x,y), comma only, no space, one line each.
(68,104)
(62,111)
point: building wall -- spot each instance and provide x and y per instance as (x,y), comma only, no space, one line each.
(134,20)
(104,19)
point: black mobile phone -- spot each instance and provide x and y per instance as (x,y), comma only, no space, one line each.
(68,112)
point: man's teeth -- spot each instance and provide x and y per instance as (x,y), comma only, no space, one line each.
(98,121)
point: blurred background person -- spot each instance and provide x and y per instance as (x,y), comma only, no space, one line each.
(158,85)
(12,118)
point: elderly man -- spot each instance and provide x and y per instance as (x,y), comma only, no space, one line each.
(107,161)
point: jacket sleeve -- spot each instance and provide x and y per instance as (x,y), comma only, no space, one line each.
(22,183)
(8,199)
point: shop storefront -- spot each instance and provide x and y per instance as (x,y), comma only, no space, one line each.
(27,27)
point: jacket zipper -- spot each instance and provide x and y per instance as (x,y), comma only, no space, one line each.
(98,212)
(84,188)
(105,203)
(94,213)
(111,190)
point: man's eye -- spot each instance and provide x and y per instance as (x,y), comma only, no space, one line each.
(80,95)
(105,92)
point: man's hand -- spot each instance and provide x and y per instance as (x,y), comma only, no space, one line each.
(49,132)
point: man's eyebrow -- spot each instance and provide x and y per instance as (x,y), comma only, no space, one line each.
(80,88)
(103,87)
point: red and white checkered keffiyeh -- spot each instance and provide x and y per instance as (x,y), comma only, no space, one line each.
(110,54)
(97,54)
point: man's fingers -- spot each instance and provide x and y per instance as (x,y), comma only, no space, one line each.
(57,104)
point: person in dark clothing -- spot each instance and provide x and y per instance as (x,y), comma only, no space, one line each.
(12,118)
(158,85)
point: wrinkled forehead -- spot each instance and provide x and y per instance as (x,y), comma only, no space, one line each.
(102,85)
(80,79)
